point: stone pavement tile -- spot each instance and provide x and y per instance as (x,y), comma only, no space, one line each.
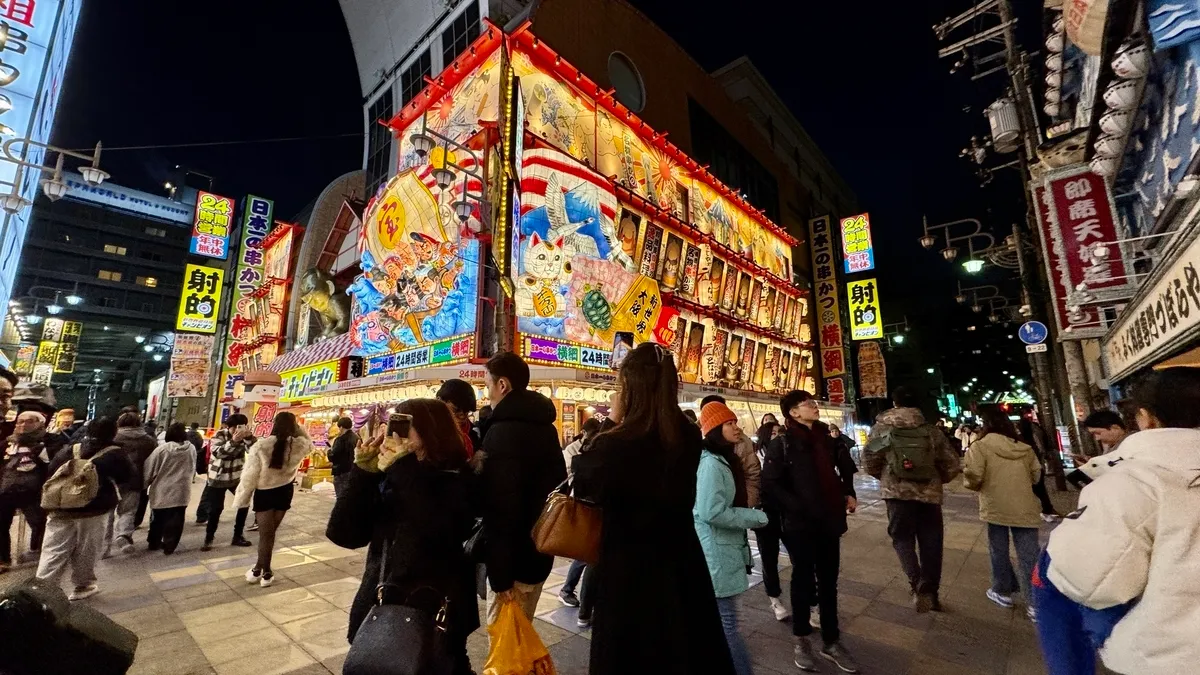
(967,642)
(184,570)
(194,591)
(550,633)
(897,592)
(924,664)
(223,612)
(547,603)
(563,618)
(285,558)
(850,606)
(241,646)
(115,603)
(324,550)
(875,658)
(858,588)
(343,600)
(290,605)
(168,654)
(571,656)
(972,603)
(900,615)
(208,633)
(189,580)
(334,663)
(312,573)
(1025,663)
(323,636)
(249,591)
(210,599)
(287,659)
(772,652)
(241,562)
(477,649)
(150,621)
(874,576)
(884,632)
(325,589)
(351,565)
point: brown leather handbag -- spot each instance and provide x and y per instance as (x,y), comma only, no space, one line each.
(568,527)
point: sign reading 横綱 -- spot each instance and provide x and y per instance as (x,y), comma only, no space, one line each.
(866,321)
(856,242)
(210,229)
(1075,215)
(829,325)
(201,299)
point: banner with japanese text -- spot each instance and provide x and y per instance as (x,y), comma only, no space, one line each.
(191,359)
(210,229)
(248,276)
(866,321)
(201,299)
(829,326)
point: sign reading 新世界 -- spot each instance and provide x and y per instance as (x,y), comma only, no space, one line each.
(866,322)
(829,323)
(210,227)
(201,299)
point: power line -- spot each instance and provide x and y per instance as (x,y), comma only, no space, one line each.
(217,143)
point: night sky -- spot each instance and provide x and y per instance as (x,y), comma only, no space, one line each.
(863,79)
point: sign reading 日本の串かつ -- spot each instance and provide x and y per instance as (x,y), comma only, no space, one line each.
(829,326)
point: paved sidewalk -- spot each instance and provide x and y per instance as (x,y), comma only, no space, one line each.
(196,615)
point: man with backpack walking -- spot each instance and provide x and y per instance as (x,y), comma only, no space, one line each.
(912,460)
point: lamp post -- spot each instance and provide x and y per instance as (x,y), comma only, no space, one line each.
(424,142)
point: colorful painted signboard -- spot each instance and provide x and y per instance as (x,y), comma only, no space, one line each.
(298,384)
(201,300)
(191,360)
(212,225)
(446,352)
(561,353)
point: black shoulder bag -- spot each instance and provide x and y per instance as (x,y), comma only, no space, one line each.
(398,638)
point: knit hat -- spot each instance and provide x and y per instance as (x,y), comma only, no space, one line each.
(34,396)
(458,392)
(714,415)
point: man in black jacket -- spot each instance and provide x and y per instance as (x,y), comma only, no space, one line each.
(341,454)
(520,464)
(801,480)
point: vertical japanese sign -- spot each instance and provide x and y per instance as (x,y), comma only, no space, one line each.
(866,322)
(248,276)
(201,299)
(1075,215)
(856,243)
(57,349)
(210,229)
(23,364)
(829,326)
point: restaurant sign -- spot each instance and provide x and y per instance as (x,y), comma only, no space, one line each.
(829,320)
(301,383)
(453,350)
(561,353)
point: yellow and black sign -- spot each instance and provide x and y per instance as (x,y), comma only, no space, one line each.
(866,321)
(201,300)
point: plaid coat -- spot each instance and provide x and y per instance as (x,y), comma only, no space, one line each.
(228,458)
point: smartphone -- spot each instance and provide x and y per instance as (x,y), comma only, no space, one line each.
(399,424)
(622,344)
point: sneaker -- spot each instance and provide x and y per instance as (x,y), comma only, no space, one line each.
(207,545)
(583,621)
(781,610)
(814,617)
(253,527)
(1004,601)
(937,604)
(253,575)
(82,592)
(125,544)
(1049,517)
(266,581)
(241,541)
(838,656)
(1031,612)
(568,598)
(923,602)
(802,655)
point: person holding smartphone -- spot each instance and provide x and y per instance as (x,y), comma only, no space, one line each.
(229,447)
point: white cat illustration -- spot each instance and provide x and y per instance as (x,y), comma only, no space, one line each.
(538,291)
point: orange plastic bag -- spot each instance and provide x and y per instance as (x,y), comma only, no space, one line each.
(516,648)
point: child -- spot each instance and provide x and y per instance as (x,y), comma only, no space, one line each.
(168,472)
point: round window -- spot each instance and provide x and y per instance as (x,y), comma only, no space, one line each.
(627,81)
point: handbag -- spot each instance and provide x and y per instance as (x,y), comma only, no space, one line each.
(399,638)
(568,527)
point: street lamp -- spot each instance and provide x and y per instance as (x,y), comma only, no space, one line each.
(973,266)
(898,338)
(54,187)
(139,339)
(929,370)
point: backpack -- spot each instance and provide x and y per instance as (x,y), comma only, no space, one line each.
(75,484)
(909,453)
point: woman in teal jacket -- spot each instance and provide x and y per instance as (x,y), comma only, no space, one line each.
(721,520)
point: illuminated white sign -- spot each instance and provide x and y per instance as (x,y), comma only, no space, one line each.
(128,199)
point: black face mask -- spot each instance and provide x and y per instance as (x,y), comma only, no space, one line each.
(31,437)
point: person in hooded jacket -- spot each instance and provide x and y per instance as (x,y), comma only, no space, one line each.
(75,537)
(1004,470)
(168,474)
(138,445)
(22,474)
(751,466)
(641,470)
(411,499)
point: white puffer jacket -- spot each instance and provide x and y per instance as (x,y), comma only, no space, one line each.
(258,474)
(1136,535)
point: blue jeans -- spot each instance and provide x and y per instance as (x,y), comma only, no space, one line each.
(573,576)
(1025,540)
(737,646)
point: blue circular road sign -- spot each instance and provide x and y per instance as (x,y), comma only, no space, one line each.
(1033,332)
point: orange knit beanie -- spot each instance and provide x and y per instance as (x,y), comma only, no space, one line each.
(714,415)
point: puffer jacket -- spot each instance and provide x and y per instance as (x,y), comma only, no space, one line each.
(721,526)
(1134,537)
(891,487)
(1003,471)
(168,474)
(137,445)
(751,469)
(258,474)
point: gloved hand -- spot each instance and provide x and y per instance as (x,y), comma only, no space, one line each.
(394,447)
(366,455)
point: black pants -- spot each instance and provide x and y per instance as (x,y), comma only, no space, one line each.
(917,526)
(815,557)
(768,551)
(213,500)
(1039,489)
(143,502)
(34,515)
(166,527)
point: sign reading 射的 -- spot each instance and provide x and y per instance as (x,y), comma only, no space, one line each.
(856,243)
(210,227)
(201,299)
(299,383)
(445,352)
(829,323)
(866,321)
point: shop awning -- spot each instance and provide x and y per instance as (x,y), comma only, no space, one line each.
(327,350)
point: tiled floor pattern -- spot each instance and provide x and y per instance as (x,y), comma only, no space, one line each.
(195,614)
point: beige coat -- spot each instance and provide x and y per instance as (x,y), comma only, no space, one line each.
(1003,471)
(752,468)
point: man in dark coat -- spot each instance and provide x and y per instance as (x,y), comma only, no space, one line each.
(138,445)
(520,464)
(341,454)
(197,441)
(800,479)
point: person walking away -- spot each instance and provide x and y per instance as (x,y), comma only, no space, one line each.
(751,475)
(912,461)
(229,447)
(1031,434)
(1132,540)
(168,474)
(767,537)
(566,594)
(410,497)
(1003,470)
(460,396)
(721,523)
(642,473)
(269,478)
(22,474)
(521,464)
(341,454)
(966,435)
(137,445)
(800,477)
(197,440)
(8,383)
(75,536)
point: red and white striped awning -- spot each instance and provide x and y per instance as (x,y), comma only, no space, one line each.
(327,350)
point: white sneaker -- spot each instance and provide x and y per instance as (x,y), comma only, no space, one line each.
(266,580)
(781,611)
(1002,600)
(82,592)
(253,575)
(1049,518)
(814,617)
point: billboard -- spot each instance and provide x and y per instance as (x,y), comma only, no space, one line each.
(856,243)
(57,349)
(191,359)
(829,322)
(200,303)
(256,326)
(866,321)
(128,199)
(211,226)
(248,275)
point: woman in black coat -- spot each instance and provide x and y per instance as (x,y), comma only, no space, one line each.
(411,497)
(642,473)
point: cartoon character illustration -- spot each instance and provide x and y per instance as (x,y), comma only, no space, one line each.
(424,246)
(365,293)
(539,290)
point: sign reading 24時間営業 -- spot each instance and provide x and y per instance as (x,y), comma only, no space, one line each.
(210,228)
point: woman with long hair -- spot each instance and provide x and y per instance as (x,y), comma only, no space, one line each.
(269,477)
(641,471)
(1003,470)
(410,497)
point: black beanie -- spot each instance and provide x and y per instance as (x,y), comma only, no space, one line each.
(458,392)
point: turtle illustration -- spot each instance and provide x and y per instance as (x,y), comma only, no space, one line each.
(596,309)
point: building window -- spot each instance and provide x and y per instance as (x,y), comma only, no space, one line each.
(150,255)
(627,81)
(149,282)
(148,307)
(412,80)
(379,142)
(109,275)
(108,302)
(461,33)
(114,249)
(156,232)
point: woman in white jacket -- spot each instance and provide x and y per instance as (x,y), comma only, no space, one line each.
(1133,536)
(268,477)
